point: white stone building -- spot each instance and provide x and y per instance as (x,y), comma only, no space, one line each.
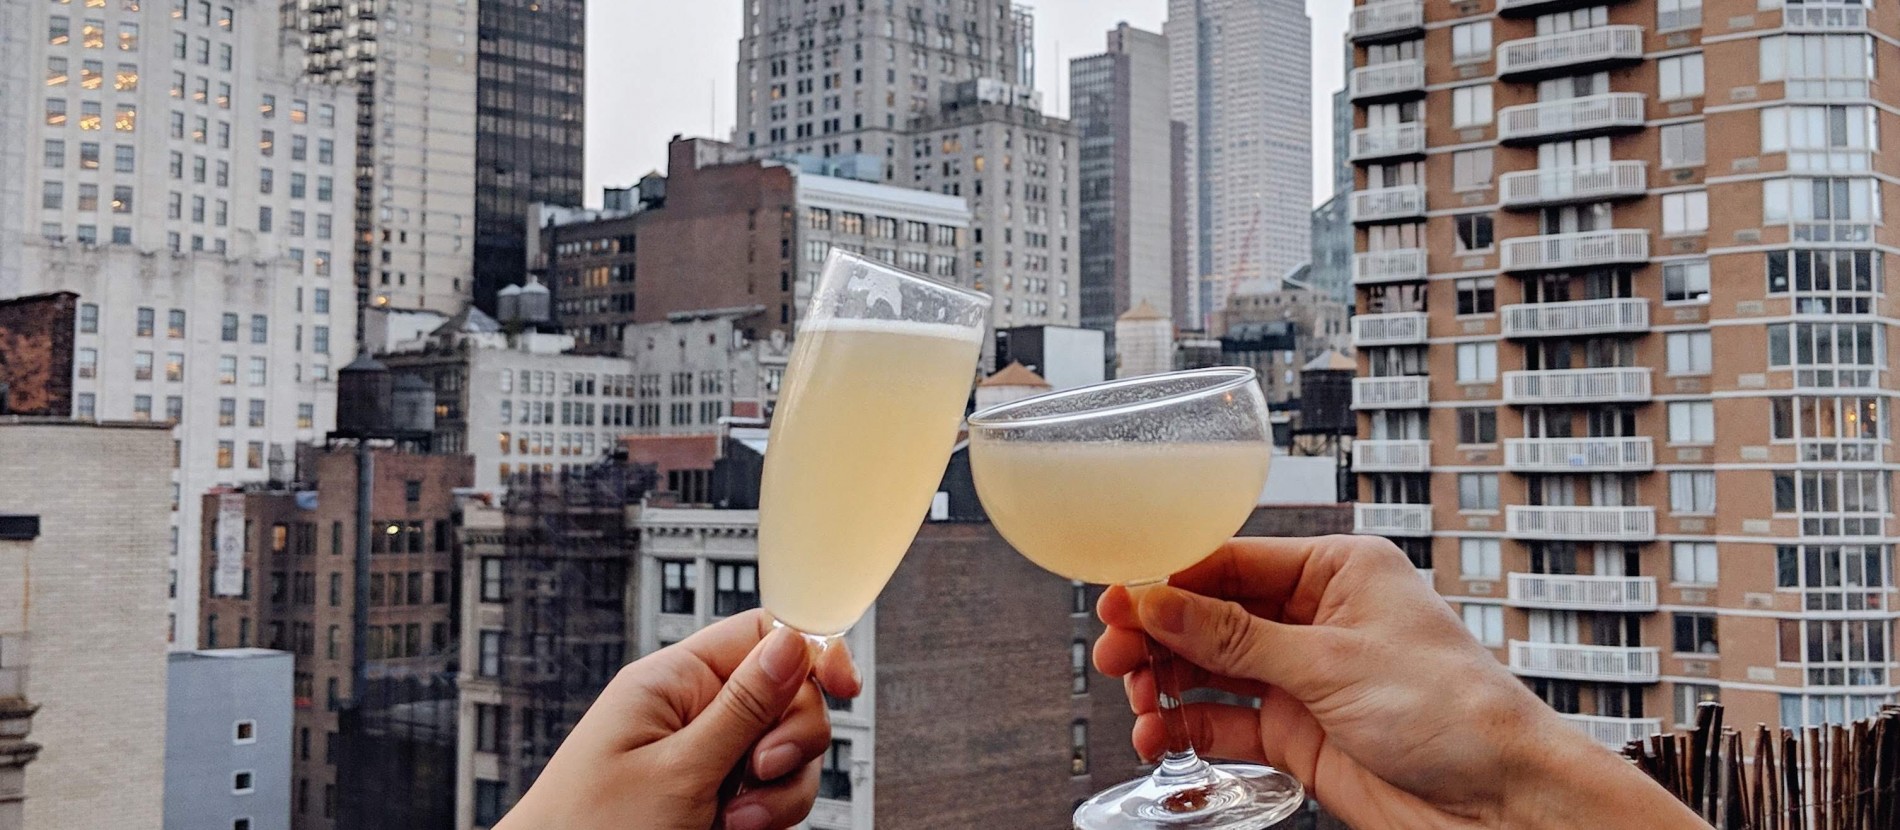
(696,369)
(208,275)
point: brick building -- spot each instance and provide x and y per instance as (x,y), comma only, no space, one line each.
(36,354)
(281,566)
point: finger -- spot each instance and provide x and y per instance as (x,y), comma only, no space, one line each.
(838,674)
(1227,640)
(1217,731)
(1121,650)
(753,699)
(1117,608)
(781,804)
(724,645)
(801,737)
(1251,569)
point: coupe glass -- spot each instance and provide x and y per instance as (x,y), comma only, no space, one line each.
(1129,483)
(866,421)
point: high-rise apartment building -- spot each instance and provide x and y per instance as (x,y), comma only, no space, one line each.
(1242,84)
(1565,209)
(1129,150)
(530,137)
(846,78)
(412,67)
(167,163)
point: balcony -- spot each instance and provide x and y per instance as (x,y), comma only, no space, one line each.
(1589,249)
(1391,393)
(1403,329)
(1390,204)
(1583,593)
(1597,524)
(1574,185)
(1579,455)
(1388,20)
(1398,265)
(1392,519)
(1576,387)
(1615,733)
(1603,664)
(1577,319)
(1391,456)
(1382,143)
(1399,79)
(1529,8)
(1584,117)
(1824,18)
(1583,50)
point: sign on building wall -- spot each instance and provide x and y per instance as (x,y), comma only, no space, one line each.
(228,578)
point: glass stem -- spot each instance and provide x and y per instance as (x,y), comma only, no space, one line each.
(1178,759)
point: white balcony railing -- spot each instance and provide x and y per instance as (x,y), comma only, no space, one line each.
(1385,18)
(1590,113)
(1576,319)
(1607,664)
(1391,393)
(1636,594)
(1570,49)
(1557,387)
(1374,143)
(1385,79)
(1576,250)
(1597,182)
(1388,203)
(1369,456)
(1615,733)
(1398,265)
(1579,455)
(1823,18)
(1392,519)
(1602,524)
(1402,329)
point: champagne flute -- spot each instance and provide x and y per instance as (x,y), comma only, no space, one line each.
(1129,483)
(866,421)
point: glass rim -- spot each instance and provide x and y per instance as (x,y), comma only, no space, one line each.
(839,255)
(1227,379)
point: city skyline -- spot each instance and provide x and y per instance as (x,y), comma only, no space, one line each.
(629,122)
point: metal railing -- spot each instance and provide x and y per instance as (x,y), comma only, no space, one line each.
(1369,456)
(1579,455)
(1589,113)
(1615,733)
(1386,142)
(1613,524)
(1388,203)
(1387,17)
(1583,593)
(1574,184)
(1392,519)
(1575,250)
(1540,54)
(1612,664)
(1576,319)
(1398,265)
(1391,393)
(1400,329)
(1388,79)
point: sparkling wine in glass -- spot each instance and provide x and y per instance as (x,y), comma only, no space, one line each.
(1129,483)
(865,424)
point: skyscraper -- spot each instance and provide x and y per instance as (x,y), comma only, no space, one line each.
(1242,84)
(1128,159)
(530,138)
(1634,526)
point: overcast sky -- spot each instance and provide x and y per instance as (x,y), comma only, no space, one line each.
(656,68)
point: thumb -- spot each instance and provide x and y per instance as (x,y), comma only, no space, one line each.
(752,701)
(1224,638)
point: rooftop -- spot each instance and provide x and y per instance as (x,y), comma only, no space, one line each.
(1016,374)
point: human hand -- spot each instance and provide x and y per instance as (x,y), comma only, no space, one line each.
(677,732)
(1372,693)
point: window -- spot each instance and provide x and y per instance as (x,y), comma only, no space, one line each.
(1477,362)
(1477,426)
(243,782)
(142,366)
(1472,169)
(259,371)
(86,363)
(834,777)
(1692,492)
(124,159)
(244,732)
(1486,624)
(1837,209)
(1686,213)
(320,339)
(1471,41)
(1694,563)
(1480,559)
(1478,491)
(1689,353)
(1689,700)
(1823,66)
(679,585)
(490,725)
(488,801)
(494,586)
(1695,634)
(1678,14)
(175,324)
(1079,667)
(52,195)
(240,824)
(1477,296)
(1471,106)
(147,321)
(1474,232)
(256,413)
(736,589)
(1686,282)
(1681,76)
(1079,747)
(175,367)
(1692,422)
(490,665)
(142,407)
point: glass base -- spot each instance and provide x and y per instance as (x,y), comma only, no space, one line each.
(1225,797)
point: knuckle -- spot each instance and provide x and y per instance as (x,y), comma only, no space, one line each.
(747,704)
(1235,633)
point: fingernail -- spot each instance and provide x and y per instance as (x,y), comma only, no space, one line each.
(777,763)
(784,656)
(857,677)
(749,817)
(1166,609)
